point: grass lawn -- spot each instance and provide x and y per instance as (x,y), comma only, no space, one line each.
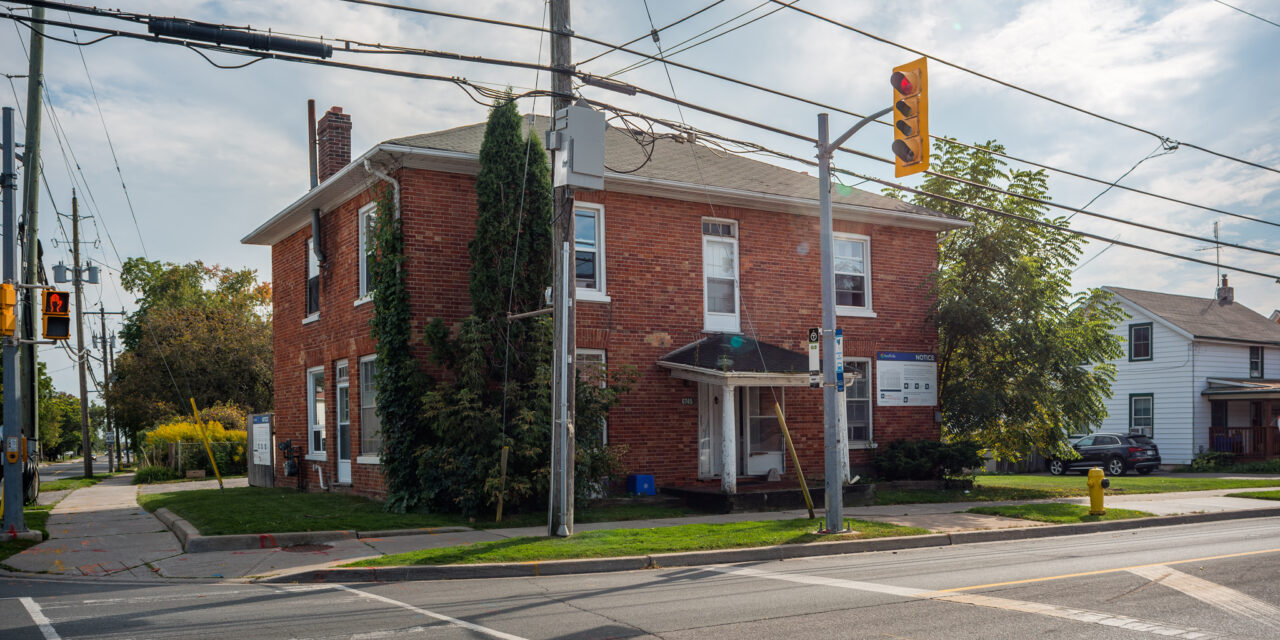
(261,510)
(637,542)
(77,482)
(35,517)
(1260,495)
(1058,513)
(989,488)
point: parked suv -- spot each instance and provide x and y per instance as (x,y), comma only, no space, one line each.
(1116,453)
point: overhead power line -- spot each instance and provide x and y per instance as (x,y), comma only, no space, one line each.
(1251,15)
(680,48)
(652,33)
(1010,85)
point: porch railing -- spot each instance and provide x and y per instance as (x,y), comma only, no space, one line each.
(1246,442)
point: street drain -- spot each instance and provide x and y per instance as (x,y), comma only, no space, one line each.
(307,548)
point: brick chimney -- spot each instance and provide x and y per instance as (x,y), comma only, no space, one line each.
(1226,295)
(333,142)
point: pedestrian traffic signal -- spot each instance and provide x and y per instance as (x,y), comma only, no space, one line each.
(910,118)
(8,307)
(57,315)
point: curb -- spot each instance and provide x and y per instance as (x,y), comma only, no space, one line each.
(755,554)
(193,542)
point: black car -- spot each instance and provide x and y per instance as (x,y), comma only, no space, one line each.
(1116,453)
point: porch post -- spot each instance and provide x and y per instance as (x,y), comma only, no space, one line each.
(728,443)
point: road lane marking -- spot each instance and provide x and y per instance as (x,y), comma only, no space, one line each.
(431,614)
(1006,604)
(1220,596)
(37,616)
(1104,571)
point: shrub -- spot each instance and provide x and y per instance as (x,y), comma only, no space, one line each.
(228,446)
(149,475)
(1212,460)
(926,459)
(229,414)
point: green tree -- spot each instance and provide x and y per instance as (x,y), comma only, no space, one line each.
(1015,342)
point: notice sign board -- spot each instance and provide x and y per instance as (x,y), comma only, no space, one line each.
(262,439)
(906,379)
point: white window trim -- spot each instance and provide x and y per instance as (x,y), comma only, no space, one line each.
(311,318)
(368,460)
(849,310)
(362,458)
(604,361)
(311,416)
(362,252)
(734,324)
(600,292)
(871,411)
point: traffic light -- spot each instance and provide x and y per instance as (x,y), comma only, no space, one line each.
(910,118)
(57,315)
(8,304)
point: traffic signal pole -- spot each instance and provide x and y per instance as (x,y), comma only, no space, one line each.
(830,399)
(13,490)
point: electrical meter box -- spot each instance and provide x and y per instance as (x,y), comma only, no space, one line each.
(577,138)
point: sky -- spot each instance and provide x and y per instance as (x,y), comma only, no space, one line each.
(206,154)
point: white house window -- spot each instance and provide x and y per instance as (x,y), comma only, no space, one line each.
(591,370)
(1255,362)
(1142,413)
(313,279)
(1140,341)
(857,399)
(588,246)
(853,274)
(366,218)
(720,275)
(315,411)
(370,424)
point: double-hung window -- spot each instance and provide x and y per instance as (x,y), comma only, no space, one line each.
(315,412)
(857,400)
(720,275)
(853,274)
(313,280)
(1142,410)
(590,364)
(588,247)
(1255,362)
(366,218)
(370,423)
(1140,341)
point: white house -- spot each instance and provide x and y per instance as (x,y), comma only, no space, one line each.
(1194,375)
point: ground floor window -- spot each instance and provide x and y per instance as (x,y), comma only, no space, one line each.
(591,370)
(857,399)
(315,410)
(370,424)
(1142,413)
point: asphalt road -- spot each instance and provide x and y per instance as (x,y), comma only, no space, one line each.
(50,471)
(1212,580)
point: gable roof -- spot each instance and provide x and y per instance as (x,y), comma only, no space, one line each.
(1204,317)
(666,168)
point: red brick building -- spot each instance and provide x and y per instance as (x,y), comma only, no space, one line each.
(699,267)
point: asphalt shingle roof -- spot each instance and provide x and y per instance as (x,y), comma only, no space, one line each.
(1205,317)
(672,160)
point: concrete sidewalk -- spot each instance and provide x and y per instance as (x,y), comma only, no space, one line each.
(100,531)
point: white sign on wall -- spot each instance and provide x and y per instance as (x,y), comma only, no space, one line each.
(906,379)
(262,439)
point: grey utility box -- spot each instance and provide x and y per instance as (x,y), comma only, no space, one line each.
(577,138)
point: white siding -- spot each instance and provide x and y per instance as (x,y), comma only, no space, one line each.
(1168,377)
(1215,360)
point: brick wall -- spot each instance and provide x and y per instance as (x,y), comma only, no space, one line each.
(653,261)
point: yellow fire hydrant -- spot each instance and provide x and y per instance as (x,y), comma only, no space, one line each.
(1096,484)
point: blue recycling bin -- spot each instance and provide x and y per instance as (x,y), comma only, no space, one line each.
(640,484)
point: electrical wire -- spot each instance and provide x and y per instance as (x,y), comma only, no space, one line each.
(678,46)
(1251,15)
(653,33)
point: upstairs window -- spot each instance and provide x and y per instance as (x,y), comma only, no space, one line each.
(588,247)
(366,219)
(720,275)
(1255,362)
(1140,341)
(313,279)
(853,273)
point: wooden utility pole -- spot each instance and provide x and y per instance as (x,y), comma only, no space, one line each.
(85,440)
(30,216)
(560,519)
(106,385)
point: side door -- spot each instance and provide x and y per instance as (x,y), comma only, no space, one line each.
(1083,446)
(1105,447)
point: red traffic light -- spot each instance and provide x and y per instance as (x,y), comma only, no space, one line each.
(902,83)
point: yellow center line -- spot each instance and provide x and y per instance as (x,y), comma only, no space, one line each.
(1100,572)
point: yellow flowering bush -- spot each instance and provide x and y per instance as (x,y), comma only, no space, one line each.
(185,431)
(228,446)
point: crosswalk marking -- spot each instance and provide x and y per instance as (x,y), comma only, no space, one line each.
(1222,597)
(37,616)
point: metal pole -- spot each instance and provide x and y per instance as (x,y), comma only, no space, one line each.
(560,518)
(13,489)
(85,440)
(831,415)
(31,210)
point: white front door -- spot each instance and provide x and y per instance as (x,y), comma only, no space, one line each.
(710,455)
(344,425)
(762,444)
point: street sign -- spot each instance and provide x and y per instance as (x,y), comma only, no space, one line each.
(109,437)
(815,367)
(839,356)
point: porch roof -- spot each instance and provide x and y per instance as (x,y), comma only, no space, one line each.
(737,360)
(1235,387)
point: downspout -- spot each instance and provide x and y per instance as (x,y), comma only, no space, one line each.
(395,185)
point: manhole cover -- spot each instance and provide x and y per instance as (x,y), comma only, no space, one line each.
(307,548)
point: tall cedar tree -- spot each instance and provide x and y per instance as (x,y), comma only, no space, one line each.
(1015,342)
(498,395)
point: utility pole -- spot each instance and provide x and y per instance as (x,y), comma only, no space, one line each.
(563,290)
(30,210)
(13,489)
(106,384)
(85,441)
(830,399)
